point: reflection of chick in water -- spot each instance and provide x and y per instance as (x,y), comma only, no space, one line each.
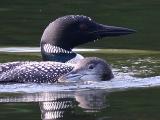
(63,106)
(91,101)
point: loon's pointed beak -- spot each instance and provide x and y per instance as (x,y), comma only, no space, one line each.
(109,31)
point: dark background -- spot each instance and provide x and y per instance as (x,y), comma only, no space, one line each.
(22,21)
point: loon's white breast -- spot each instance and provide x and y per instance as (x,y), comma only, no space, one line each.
(76,58)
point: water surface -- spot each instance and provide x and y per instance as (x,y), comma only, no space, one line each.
(132,94)
(23,22)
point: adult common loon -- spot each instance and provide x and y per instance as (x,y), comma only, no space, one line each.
(89,68)
(63,34)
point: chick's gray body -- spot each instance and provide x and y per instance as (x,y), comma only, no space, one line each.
(37,72)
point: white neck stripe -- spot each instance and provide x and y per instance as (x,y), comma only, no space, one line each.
(48,48)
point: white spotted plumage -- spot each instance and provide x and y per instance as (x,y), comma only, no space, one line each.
(38,72)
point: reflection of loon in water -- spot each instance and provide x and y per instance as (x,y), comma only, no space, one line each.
(62,105)
(57,108)
(90,68)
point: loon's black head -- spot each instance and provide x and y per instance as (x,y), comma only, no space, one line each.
(72,30)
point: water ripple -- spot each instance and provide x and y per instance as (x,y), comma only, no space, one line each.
(120,82)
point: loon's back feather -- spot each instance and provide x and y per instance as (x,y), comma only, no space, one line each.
(8,66)
(38,72)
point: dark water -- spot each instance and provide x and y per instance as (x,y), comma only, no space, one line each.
(86,105)
(22,22)
(133,94)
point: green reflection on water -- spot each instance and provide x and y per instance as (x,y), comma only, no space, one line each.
(22,22)
(140,104)
(19,111)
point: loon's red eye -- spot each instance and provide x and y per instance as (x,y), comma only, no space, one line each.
(83,27)
(91,66)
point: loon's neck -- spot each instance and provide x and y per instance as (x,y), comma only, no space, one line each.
(55,53)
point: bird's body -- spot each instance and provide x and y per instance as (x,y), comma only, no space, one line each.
(57,42)
(50,72)
(36,72)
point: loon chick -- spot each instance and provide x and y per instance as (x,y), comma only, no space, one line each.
(63,34)
(49,72)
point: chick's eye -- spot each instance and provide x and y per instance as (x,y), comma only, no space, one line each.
(83,27)
(90,66)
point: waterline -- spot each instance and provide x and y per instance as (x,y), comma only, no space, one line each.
(114,51)
(37,49)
